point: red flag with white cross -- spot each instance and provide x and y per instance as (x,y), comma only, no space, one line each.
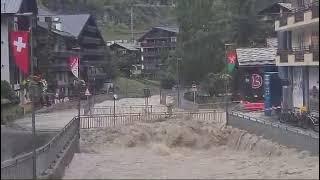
(19,42)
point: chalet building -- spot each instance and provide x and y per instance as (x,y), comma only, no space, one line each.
(155,42)
(9,22)
(68,34)
(298,54)
(131,53)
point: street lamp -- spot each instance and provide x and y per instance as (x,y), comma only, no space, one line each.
(115,97)
(93,73)
(178,78)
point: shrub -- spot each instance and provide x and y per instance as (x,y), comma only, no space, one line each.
(8,93)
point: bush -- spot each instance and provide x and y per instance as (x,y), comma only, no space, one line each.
(167,83)
(8,93)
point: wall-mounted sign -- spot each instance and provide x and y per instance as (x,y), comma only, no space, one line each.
(256,81)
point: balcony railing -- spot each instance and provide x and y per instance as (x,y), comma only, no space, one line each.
(315,52)
(299,16)
(91,28)
(91,40)
(283,56)
(299,53)
(99,51)
(283,20)
(315,9)
(159,44)
(151,54)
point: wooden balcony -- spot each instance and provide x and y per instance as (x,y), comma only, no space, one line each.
(151,54)
(91,40)
(299,16)
(315,9)
(90,28)
(98,51)
(158,44)
(283,20)
(306,54)
(305,15)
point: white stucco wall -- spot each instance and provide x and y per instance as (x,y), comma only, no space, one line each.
(5,74)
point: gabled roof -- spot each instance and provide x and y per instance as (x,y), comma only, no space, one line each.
(256,56)
(275,8)
(15,6)
(170,29)
(164,28)
(129,46)
(61,33)
(72,24)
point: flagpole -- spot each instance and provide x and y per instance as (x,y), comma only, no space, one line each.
(79,101)
(34,158)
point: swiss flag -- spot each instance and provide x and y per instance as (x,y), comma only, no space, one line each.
(19,42)
(232,57)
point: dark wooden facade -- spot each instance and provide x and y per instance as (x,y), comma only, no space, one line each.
(155,42)
(60,44)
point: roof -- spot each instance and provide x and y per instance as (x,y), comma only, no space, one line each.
(72,24)
(286,5)
(170,29)
(256,56)
(62,33)
(275,8)
(164,28)
(44,11)
(129,46)
(14,6)
(10,6)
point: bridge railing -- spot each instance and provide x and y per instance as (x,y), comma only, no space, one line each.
(21,167)
(110,120)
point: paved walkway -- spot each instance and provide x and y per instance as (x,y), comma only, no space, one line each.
(46,121)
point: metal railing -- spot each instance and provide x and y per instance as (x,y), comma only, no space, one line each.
(47,155)
(241,115)
(109,120)
(100,110)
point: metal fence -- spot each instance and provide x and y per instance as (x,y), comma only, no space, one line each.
(283,134)
(109,120)
(99,110)
(47,155)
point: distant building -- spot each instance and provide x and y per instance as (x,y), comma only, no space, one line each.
(131,51)
(10,22)
(298,54)
(70,32)
(156,41)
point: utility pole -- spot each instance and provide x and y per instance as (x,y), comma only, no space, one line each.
(178,78)
(131,23)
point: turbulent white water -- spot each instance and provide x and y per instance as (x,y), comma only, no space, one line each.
(184,148)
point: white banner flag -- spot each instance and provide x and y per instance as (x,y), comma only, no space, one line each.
(74,65)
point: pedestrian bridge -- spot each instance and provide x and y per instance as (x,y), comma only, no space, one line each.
(53,157)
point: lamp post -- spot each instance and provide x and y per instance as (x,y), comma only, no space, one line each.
(178,78)
(32,89)
(115,97)
(93,73)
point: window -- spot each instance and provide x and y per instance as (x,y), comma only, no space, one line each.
(173,39)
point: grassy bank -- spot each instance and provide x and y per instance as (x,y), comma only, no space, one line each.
(134,88)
